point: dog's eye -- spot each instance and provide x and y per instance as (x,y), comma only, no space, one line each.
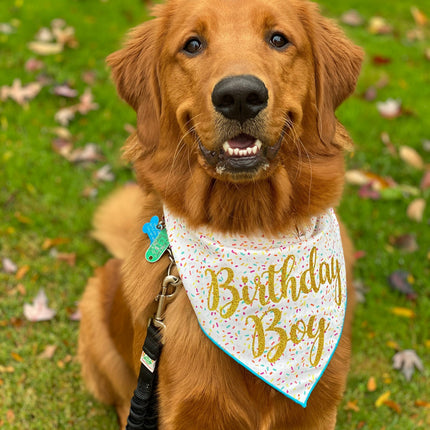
(278,41)
(193,46)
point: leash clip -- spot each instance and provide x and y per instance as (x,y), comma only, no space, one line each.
(163,298)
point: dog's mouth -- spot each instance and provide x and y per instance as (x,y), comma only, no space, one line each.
(242,155)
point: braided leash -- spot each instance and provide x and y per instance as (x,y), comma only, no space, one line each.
(143,413)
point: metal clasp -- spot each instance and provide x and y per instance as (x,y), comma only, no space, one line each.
(163,298)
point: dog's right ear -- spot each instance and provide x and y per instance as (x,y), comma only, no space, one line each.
(134,71)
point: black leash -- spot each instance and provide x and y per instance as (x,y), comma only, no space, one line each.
(144,405)
(143,413)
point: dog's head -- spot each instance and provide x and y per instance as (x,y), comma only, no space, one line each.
(235,105)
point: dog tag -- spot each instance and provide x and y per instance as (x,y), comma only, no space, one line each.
(158,247)
(151,228)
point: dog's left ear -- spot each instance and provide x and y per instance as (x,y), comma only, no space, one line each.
(337,63)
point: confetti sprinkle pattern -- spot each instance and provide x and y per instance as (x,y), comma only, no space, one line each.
(274,304)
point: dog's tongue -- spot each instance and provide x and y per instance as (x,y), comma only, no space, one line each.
(242,141)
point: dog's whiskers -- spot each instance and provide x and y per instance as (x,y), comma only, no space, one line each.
(180,146)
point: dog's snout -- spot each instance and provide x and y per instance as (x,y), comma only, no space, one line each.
(240,97)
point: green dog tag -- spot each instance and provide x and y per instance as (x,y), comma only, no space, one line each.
(158,247)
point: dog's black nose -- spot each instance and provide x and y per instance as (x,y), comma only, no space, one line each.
(240,97)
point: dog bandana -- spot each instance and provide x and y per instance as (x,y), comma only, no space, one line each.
(276,305)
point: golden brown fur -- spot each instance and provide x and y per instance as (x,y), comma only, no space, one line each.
(200,386)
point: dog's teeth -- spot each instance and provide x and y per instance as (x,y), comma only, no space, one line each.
(242,152)
(258,143)
(236,151)
(249,151)
(254,149)
(230,151)
(226,147)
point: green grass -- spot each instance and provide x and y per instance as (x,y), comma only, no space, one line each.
(41,197)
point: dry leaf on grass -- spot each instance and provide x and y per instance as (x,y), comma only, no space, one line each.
(416,209)
(65,91)
(422,404)
(378,25)
(44,35)
(351,405)
(371,384)
(51,242)
(48,352)
(419,17)
(33,65)
(45,48)
(406,361)
(39,310)
(391,108)
(104,174)
(401,281)
(85,105)
(410,156)
(382,398)
(90,153)
(406,242)
(352,18)
(6,28)
(20,93)
(393,405)
(403,312)
(425,181)
(9,266)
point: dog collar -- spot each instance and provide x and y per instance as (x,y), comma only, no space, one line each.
(276,305)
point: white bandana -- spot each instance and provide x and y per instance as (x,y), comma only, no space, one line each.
(276,305)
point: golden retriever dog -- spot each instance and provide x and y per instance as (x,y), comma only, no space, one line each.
(236,134)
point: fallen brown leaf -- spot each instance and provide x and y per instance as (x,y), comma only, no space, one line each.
(393,405)
(45,48)
(419,17)
(351,405)
(422,404)
(378,25)
(352,18)
(62,146)
(90,192)
(9,266)
(16,357)
(22,271)
(48,352)
(6,28)
(22,218)
(33,65)
(385,138)
(90,153)
(39,310)
(69,258)
(10,416)
(19,93)
(104,174)
(410,156)
(416,209)
(390,109)
(65,91)
(49,243)
(425,181)
(406,361)
(44,35)
(406,242)
(371,384)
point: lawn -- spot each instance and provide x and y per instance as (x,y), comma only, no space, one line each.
(47,199)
